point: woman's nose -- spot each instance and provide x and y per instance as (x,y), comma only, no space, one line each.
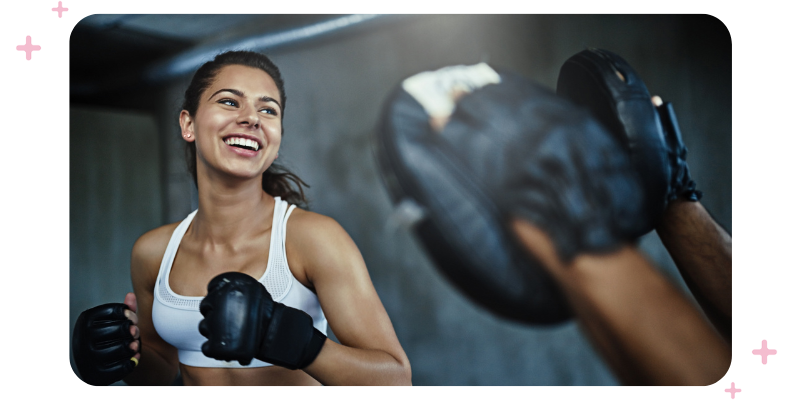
(249,116)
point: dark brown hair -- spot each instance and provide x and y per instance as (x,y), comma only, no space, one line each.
(276,180)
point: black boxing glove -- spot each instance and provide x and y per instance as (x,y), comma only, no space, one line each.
(101,344)
(680,183)
(242,322)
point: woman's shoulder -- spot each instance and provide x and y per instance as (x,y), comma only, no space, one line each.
(314,234)
(150,247)
(313,237)
(310,225)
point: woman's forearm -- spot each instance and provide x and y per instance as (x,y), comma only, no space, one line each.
(341,365)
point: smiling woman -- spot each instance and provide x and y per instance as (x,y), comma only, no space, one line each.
(261,278)
(276,180)
(241,108)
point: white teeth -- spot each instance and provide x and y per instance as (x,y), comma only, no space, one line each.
(242,142)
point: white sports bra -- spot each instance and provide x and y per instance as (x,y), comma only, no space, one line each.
(176,318)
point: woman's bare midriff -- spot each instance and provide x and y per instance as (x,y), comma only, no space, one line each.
(264,376)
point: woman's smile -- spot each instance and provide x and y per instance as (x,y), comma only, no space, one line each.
(243,145)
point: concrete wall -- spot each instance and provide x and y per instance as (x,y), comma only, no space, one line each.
(335,91)
(115,196)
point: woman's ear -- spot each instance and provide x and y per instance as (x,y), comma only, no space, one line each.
(187,126)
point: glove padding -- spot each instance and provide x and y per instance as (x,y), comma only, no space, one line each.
(242,322)
(625,108)
(101,344)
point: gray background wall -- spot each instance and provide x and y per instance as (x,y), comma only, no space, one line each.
(128,173)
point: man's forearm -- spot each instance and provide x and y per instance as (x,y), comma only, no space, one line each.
(647,331)
(702,251)
(647,327)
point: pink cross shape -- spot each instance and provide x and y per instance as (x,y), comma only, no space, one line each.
(28,48)
(60,9)
(764,352)
(733,390)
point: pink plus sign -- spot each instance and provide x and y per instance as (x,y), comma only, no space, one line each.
(28,48)
(60,9)
(733,390)
(764,352)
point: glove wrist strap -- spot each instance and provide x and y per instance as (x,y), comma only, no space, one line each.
(290,341)
(313,348)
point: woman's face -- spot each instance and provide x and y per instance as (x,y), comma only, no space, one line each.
(237,126)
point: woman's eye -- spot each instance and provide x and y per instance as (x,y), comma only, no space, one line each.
(228,102)
(269,111)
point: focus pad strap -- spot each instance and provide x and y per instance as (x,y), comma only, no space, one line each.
(681,183)
(291,341)
(101,344)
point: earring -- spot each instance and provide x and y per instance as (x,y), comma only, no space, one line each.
(188,135)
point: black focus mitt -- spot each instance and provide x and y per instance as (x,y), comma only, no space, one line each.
(510,148)
(606,85)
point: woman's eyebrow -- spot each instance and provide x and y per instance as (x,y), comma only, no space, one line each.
(234,91)
(267,99)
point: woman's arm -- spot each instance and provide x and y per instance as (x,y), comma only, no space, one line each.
(158,364)
(369,353)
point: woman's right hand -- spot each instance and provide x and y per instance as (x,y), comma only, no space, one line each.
(130,301)
(105,342)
